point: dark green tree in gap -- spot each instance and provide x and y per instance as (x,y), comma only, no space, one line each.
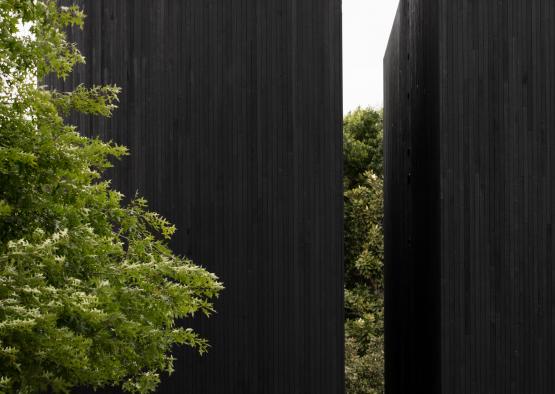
(362,145)
(89,290)
(364,329)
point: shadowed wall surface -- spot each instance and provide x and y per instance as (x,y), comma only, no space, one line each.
(469,197)
(232,113)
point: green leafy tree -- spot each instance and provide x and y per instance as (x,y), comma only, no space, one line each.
(362,145)
(364,356)
(89,291)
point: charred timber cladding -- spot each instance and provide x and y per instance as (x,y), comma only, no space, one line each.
(470,197)
(232,112)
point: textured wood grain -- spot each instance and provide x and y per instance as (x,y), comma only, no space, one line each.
(490,89)
(232,113)
(411,203)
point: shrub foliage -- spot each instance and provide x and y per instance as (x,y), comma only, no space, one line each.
(364,332)
(89,290)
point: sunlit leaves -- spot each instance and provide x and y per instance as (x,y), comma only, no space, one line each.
(89,290)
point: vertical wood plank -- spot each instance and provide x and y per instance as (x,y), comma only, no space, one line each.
(232,111)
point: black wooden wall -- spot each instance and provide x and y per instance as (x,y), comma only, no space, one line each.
(411,201)
(232,111)
(470,197)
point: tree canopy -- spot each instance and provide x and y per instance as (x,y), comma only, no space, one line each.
(363,251)
(89,290)
(362,145)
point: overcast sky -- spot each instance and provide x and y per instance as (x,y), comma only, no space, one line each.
(366,27)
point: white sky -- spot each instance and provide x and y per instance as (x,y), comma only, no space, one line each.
(366,27)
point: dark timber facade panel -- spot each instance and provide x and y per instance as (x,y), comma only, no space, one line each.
(469,92)
(411,201)
(232,113)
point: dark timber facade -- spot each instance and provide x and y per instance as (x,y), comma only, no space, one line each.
(232,112)
(470,197)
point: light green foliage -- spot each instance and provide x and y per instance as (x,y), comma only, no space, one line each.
(89,291)
(363,252)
